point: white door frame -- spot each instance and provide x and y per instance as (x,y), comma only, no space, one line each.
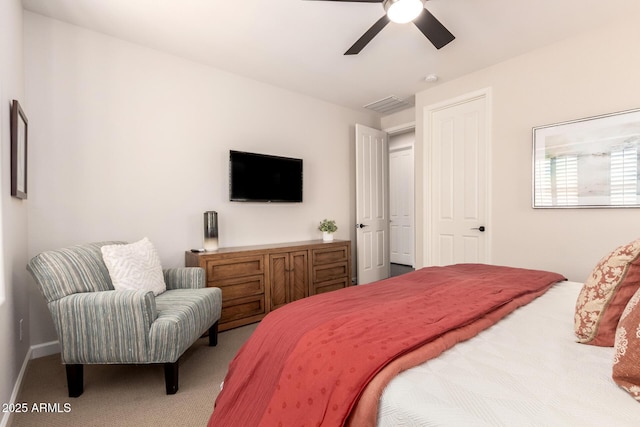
(428,113)
(400,128)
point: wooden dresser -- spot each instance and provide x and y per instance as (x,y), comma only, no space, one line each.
(257,279)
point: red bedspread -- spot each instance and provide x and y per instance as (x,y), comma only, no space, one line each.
(308,362)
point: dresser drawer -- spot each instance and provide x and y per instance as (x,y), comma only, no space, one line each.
(329,255)
(331,285)
(241,308)
(220,269)
(323,273)
(239,287)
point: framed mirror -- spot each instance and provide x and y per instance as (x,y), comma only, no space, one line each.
(588,163)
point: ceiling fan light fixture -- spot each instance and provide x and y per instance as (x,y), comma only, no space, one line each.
(403,11)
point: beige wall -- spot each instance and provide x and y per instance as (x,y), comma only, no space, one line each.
(13,212)
(131,142)
(592,74)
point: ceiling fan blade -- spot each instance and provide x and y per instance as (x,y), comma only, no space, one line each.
(433,29)
(368,36)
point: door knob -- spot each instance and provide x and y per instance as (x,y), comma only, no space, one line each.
(481,228)
(361,225)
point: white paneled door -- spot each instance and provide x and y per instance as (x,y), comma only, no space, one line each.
(401,205)
(372,205)
(459,183)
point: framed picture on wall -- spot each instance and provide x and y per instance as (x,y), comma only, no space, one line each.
(588,163)
(19,138)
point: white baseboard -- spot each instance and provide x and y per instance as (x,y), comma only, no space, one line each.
(16,388)
(35,351)
(45,349)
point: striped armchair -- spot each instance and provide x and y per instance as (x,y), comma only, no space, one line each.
(99,325)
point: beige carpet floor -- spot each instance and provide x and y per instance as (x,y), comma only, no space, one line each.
(130,395)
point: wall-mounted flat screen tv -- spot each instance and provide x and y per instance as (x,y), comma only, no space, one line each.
(262,178)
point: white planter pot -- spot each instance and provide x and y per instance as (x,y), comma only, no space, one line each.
(327,237)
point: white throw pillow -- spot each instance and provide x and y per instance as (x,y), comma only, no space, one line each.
(135,266)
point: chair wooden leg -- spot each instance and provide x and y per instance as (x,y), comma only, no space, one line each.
(213,335)
(171,377)
(75,380)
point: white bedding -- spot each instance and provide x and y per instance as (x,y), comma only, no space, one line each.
(527,370)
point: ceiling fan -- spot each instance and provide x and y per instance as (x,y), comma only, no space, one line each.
(403,11)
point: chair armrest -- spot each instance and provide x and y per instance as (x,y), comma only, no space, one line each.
(184,278)
(104,327)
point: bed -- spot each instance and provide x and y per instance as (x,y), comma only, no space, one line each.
(526,369)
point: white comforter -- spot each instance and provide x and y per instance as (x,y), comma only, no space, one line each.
(527,370)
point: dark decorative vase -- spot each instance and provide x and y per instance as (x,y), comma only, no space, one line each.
(210,231)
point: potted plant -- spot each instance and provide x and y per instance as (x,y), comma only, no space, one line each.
(328,227)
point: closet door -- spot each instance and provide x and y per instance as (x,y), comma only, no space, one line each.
(459,176)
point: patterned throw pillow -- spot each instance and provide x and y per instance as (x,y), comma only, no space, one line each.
(626,362)
(135,266)
(606,293)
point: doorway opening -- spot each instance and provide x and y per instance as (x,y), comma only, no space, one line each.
(401,199)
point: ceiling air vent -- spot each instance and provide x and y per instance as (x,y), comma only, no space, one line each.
(388,105)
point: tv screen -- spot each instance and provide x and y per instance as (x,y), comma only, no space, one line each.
(261,178)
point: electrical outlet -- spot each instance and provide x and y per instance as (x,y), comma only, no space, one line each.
(21,329)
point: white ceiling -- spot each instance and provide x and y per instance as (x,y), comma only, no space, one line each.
(299,44)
